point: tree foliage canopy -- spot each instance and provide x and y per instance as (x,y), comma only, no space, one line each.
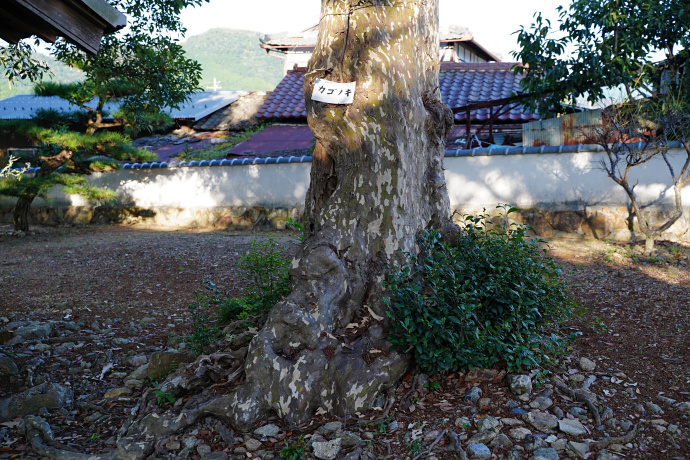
(144,65)
(19,63)
(603,43)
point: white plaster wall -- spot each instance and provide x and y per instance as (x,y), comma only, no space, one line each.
(556,180)
(273,185)
(536,180)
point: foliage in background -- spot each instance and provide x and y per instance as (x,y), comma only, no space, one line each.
(9,171)
(222,149)
(64,157)
(144,65)
(265,269)
(59,73)
(19,63)
(295,451)
(204,329)
(637,133)
(234,58)
(600,44)
(484,300)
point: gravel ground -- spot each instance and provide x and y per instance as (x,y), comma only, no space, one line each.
(95,303)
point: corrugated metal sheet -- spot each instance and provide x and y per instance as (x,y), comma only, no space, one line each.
(24,106)
(571,129)
(205,103)
(201,104)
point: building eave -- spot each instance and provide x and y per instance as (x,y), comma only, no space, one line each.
(83,22)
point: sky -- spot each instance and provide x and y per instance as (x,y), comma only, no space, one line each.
(491,21)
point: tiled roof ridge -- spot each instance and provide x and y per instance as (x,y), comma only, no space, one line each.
(497,66)
(479,151)
(491,66)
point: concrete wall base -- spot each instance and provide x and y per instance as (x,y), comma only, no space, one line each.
(603,223)
(235,218)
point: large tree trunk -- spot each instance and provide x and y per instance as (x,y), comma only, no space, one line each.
(377,182)
(20,217)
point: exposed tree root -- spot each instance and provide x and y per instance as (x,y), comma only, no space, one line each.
(455,446)
(580,397)
(42,441)
(431,446)
(604,443)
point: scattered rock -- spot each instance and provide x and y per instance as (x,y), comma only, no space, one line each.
(486,375)
(484,437)
(48,395)
(117,392)
(267,431)
(487,423)
(327,450)
(519,434)
(477,450)
(34,331)
(572,427)
(512,422)
(653,408)
(502,441)
(521,385)
(587,365)
(541,421)
(163,363)
(349,439)
(330,427)
(579,449)
(473,394)
(534,442)
(541,402)
(138,360)
(8,368)
(545,453)
(252,444)
(665,400)
(140,373)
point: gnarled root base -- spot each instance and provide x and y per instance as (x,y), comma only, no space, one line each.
(323,347)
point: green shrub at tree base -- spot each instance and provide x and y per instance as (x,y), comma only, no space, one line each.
(479,302)
(265,268)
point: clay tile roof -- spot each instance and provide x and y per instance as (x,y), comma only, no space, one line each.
(287,100)
(460,83)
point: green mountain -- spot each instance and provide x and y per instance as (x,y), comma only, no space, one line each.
(234,59)
(60,73)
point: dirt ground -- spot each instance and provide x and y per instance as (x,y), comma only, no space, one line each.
(137,284)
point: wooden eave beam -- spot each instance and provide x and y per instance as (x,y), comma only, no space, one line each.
(82,22)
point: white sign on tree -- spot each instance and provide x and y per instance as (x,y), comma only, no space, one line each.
(332,92)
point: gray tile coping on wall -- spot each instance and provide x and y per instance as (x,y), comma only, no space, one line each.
(483,151)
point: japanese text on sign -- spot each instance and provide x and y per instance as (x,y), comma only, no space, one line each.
(332,92)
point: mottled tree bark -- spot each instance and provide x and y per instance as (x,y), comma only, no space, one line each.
(376,183)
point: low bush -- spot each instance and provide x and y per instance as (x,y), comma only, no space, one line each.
(478,302)
(265,269)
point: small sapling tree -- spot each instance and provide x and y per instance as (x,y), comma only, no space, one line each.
(637,133)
